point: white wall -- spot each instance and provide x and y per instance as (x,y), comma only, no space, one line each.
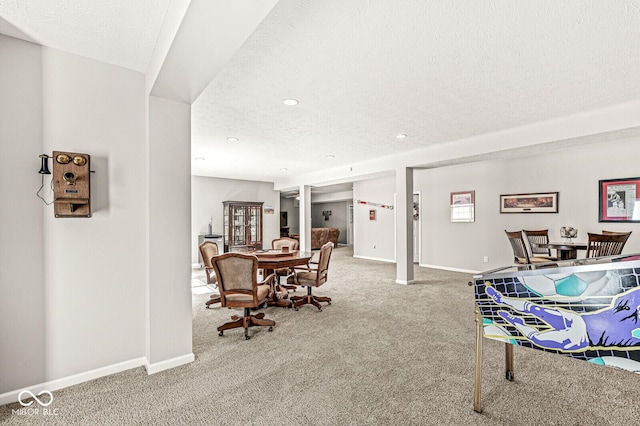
(22,287)
(379,233)
(208,194)
(94,273)
(572,173)
(75,288)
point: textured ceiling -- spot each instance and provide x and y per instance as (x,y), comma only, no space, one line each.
(366,71)
(437,71)
(119,32)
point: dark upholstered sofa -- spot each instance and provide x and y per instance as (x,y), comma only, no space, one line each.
(320,236)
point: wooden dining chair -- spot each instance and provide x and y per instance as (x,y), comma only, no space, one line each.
(520,252)
(239,288)
(609,244)
(292,245)
(628,234)
(209,249)
(313,277)
(539,237)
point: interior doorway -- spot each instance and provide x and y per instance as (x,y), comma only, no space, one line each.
(350,225)
(417,228)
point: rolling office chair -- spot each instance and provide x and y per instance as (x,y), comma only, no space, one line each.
(208,249)
(239,288)
(313,277)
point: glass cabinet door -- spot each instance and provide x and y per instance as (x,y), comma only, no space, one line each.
(225,227)
(253,225)
(239,225)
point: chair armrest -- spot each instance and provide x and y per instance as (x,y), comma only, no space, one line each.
(304,268)
(269,279)
(211,275)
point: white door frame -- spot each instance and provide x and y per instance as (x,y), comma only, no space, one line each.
(350,223)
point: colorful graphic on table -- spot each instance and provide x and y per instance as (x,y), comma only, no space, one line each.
(593,315)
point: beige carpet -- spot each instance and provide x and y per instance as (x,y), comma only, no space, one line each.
(380,354)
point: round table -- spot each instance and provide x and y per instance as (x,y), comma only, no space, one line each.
(270,260)
(565,251)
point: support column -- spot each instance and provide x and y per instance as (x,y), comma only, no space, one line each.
(305,217)
(404,225)
(169,240)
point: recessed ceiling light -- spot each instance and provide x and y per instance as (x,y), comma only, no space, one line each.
(330,156)
(232,139)
(290,102)
(199,158)
(401,136)
(283,169)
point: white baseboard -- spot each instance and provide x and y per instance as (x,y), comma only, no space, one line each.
(423,265)
(405,282)
(64,382)
(12,396)
(446,268)
(170,363)
(374,258)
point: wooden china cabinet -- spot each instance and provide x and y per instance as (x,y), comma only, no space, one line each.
(242,225)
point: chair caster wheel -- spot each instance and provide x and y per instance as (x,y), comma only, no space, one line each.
(270,328)
(220,333)
(247,337)
(328,303)
(296,309)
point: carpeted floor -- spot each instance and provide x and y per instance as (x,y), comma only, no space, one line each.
(380,354)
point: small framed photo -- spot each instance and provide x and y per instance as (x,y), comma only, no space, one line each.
(462,206)
(619,200)
(540,202)
(372,214)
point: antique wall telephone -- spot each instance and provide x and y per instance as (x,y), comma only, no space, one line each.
(70,183)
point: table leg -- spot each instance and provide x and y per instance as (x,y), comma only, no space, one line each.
(274,300)
(567,254)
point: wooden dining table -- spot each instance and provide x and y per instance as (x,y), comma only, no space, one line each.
(270,260)
(564,250)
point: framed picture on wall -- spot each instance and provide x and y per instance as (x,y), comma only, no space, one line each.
(462,206)
(540,202)
(372,214)
(619,200)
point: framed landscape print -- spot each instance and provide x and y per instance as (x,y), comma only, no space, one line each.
(619,200)
(541,202)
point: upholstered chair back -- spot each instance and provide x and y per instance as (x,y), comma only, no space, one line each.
(279,243)
(208,249)
(317,277)
(237,280)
